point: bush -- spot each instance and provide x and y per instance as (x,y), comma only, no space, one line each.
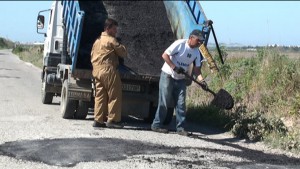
(254,125)
(29,53)
(6,44)
(18,49)
(265,89)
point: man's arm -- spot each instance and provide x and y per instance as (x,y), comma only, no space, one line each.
(200,79)
(197,72)
(119,48)
(167,59)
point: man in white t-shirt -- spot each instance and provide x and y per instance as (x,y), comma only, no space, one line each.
(172,84)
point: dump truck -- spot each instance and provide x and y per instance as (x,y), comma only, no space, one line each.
(147,28)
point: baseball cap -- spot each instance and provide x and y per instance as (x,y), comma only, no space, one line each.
(198,34)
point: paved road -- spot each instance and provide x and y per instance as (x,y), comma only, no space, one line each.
(34,135)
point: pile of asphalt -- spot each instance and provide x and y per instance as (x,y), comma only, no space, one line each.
(146,32)
(94,18)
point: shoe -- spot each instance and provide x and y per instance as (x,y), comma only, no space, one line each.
(97,124)
(159,130)
(183,133)
(114,125)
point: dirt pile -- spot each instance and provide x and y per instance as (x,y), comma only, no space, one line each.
(145,30)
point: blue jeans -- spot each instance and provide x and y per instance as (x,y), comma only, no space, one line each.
(171,90)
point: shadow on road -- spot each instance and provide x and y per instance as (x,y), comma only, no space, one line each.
(251,156)
(133,123)
(69,152)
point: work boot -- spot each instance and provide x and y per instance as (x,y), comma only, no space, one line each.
(97,124)
(159,130)
(182,132)
(114,125)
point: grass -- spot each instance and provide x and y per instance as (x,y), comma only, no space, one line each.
(208,115)
(266,90)
(30,53)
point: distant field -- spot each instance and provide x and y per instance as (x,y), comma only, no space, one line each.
(241,53)
(245,53)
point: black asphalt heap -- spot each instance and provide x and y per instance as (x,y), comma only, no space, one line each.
(145,30)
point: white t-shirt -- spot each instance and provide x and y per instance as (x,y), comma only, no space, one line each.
(182,56)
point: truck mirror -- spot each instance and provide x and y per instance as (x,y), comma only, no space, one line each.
(40,22)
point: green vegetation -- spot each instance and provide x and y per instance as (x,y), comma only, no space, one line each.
(6,44)
(266,90)
(30,53)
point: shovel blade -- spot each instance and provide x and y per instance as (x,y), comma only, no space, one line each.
(223,100)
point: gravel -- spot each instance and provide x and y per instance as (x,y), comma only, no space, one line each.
(145,35)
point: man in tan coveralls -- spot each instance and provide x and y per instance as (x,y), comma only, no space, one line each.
(105,60)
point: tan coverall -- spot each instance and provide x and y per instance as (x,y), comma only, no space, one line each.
(108,97)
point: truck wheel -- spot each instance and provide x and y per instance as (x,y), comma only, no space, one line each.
(46,97)
(82,110)
(67,106)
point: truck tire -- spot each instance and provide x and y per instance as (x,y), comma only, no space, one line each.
(82,110)
(152,112)
(67,106)
(46,97)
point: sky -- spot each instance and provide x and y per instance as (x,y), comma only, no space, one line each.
(255,22)
(242,22)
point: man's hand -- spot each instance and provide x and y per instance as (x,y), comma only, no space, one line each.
(209,22)
(179,70)
(204,85)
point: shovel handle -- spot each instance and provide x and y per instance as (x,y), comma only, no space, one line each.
(217,44)
(202,86)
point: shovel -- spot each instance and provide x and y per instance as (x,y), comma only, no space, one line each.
(222,99)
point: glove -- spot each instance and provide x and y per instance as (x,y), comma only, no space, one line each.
(179,70)
(203,85)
